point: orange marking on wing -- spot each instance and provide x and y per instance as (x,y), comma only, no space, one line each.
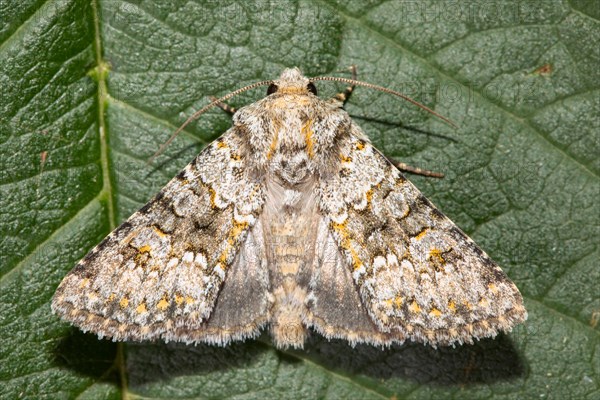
(141,308)
(369,196)
(92,296)
(436,254)
(162,304)
(414,307)
(178,299)
(452,305)
(435,312)
(159,232)
(346,243)
(237,229)
(398,301)
(421,234)
(213,195)
(124,302)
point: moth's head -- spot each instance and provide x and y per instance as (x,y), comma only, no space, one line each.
(291,81)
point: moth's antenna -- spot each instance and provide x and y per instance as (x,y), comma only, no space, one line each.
(385,90)
(202,111)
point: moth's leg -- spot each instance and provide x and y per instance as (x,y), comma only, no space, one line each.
(225,107)
(415,170)
(343,97)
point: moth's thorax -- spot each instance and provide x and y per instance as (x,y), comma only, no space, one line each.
(292,135)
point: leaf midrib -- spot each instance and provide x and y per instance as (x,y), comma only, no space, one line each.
(107,187)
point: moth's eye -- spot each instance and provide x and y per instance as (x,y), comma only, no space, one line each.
(272,89)
(312,88)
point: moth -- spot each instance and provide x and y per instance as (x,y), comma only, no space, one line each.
(291,221)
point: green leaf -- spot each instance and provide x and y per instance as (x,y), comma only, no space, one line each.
(90,91)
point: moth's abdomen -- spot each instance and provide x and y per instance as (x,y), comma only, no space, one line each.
(290,222)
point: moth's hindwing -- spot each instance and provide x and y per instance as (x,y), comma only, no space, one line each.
(418,275)
(159,274)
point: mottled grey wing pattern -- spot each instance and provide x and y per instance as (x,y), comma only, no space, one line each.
(160,272)
(418,275)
